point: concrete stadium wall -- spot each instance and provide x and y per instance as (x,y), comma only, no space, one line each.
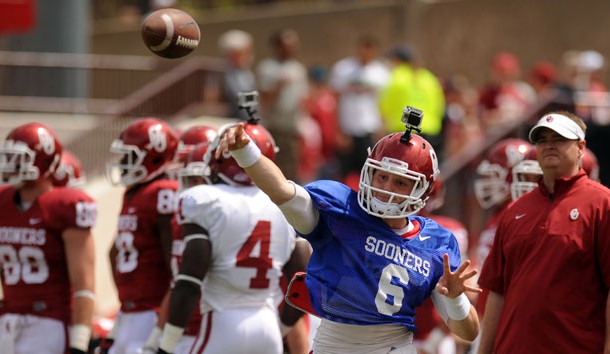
(451,36)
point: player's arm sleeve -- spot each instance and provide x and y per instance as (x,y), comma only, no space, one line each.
(195,263)
(300,211)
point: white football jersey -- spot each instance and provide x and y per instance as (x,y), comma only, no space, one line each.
(251,241)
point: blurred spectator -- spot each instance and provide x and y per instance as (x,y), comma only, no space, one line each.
(460,124)
(283,86)
(589,163)
(505,97)
(412,85)
(358,80)
(543,77)
(236,47)
(321,105)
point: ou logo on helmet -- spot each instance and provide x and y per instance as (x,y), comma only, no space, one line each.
(158,141)
(46,141)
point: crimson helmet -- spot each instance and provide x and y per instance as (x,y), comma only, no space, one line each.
(525,175)
(588,162)
(226,168)
(30,152)
(436,198)
(415,160)
(147,148)
(195,167)
(192,136)
(492,186)
(69,172)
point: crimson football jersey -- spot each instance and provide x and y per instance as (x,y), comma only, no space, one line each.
(34,268)
(141,275)
(192,329)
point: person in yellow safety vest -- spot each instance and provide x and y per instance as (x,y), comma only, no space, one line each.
(416,86)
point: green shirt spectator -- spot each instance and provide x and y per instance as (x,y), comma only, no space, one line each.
(412,86)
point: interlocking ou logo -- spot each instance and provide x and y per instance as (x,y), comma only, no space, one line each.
(46,141)
(157,138)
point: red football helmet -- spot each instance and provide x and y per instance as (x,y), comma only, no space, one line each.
(525,175)
(69,173)
(492,187)
(195,171)
(147,148)
(29,152)
(588,162)
(226,168)
(415,160)
(436,198)
(192,136)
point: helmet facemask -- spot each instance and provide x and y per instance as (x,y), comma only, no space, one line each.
(129,169)
(397,205)
(525,176)
(491,188)
(17,163)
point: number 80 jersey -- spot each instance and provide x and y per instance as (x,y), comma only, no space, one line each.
(250,239)
(33,261)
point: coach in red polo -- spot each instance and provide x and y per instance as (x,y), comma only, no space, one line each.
(548,271)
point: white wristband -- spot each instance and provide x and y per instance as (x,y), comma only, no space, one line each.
(84,293)
(248,155)
(457,308)
(170,337)
(79,337)
(153,339)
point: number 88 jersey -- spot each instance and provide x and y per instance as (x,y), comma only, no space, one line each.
(250,239)
(33,261)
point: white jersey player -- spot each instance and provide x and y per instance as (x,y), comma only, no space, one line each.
(237,243)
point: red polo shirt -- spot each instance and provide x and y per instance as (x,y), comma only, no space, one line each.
(551,262)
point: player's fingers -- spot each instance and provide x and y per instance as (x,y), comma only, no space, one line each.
(462,267)
(441,289)
(446,268)
(472,289)
(469,275)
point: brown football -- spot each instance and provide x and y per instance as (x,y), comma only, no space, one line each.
(170,33)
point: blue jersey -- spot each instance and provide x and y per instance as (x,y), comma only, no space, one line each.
(361,272)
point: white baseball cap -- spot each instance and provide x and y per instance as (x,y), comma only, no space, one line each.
(559,123)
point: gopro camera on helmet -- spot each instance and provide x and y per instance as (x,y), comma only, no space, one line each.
(412,118)
(248,101)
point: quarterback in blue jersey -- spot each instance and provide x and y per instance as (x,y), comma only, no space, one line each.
(373,260)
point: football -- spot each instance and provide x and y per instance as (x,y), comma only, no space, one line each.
(170,33)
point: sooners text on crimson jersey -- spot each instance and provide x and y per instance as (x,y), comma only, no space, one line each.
(34,270)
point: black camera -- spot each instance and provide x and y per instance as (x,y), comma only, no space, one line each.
(412,117)
(247,99)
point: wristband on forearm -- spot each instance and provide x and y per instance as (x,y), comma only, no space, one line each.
(153,339)
(79,337)
(458,308)
(170,337)
(248,155)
